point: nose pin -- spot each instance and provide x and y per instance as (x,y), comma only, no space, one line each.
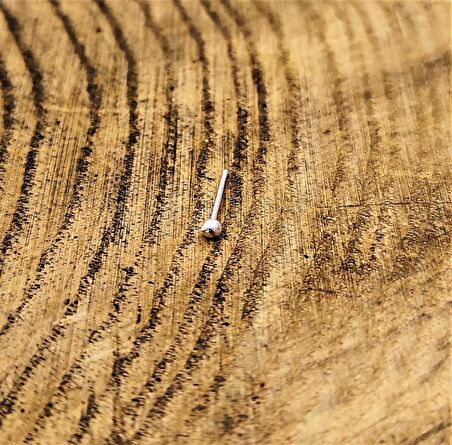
(212,227)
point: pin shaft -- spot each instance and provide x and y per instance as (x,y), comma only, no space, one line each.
(216,205)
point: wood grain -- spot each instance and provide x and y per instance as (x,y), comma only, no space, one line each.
(320,316)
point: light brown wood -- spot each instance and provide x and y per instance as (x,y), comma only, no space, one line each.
(321,315)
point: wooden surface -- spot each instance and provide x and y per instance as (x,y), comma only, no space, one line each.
(321,316)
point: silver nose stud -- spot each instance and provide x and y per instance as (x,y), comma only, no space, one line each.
(212,227)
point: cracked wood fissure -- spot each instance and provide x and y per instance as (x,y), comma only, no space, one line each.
(321,314)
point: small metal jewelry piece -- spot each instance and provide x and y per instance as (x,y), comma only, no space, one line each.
(212,227)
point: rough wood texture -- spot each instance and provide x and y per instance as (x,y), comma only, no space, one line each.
(321,316)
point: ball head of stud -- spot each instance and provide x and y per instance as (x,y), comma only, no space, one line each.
(211,228)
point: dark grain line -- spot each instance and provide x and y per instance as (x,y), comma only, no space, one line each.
(9,106)
(200,172)
(432,431)
(206,398)
(171,122)
(240,156)
(208,108)
(7,404)
(350,267)
(324,246)
(258,78)
(95,99)
(204,340)
(385,217)
(134,133)
(298,122)
(208,121)
(76,370)
(91,410)
(251,295)
(166,174)
(113,232)
(238,162)
(147,331)
(212,326)
(146,334)
(20,219)
(299,128)
(233,264)
(260,273)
